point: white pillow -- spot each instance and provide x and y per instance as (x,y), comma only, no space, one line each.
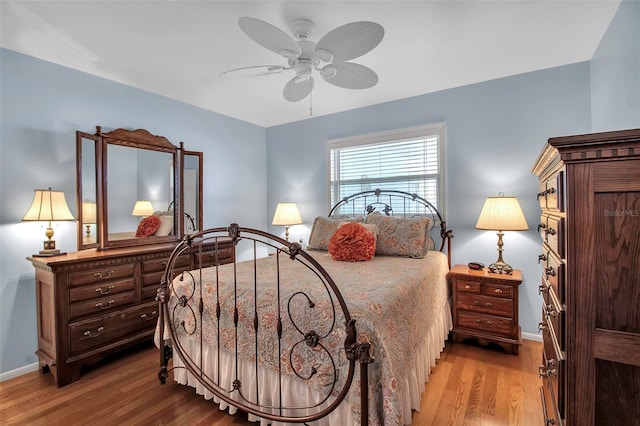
(166,226)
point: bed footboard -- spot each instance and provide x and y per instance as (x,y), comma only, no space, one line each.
(256,311)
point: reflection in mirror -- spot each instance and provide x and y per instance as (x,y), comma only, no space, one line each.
(87,191)
(134,175)
(192,191)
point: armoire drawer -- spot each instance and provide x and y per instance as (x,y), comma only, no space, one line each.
(98,332)
(553,369)
(552,232)
(554,314)
(100,274)
(554,273)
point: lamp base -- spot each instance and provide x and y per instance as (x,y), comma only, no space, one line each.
(500,268)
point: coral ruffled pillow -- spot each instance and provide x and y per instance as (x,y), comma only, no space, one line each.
(148,226)
(352,242)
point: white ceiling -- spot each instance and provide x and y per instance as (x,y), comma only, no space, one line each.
(178,48)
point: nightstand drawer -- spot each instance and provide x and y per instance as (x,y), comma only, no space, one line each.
(466,286)
(490,323)
(498,290)
(485,304)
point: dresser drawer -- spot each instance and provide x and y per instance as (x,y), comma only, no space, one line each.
(208,258)
(100,305)
(490,323)
(159,265)
(100,289)
(101,274)
(485,304)
(95,333)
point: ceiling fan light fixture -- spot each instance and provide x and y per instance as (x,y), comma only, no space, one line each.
(290,54)
(324,55)
(329,71)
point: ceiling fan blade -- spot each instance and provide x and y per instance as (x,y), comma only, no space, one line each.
(296,89)
(349,75)
(350,41)
(255,71)
(270,37)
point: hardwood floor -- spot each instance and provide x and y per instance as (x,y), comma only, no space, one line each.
(470,385)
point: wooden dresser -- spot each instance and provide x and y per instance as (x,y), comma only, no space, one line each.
(485,307)
(92,303)
(590,229)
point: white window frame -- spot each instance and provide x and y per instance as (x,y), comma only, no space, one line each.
(397,135)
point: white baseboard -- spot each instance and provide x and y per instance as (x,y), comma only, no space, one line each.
(18,372)
(531,336)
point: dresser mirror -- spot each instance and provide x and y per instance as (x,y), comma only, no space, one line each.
(130,175)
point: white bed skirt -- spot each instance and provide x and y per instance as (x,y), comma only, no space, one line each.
(296,393)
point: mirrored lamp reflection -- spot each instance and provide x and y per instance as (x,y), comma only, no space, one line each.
(501,214)
(48,206)
(88,216)
(286,214)
(142,208)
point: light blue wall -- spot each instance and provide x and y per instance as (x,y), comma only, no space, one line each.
(494,133)
(615,73)
(42,105)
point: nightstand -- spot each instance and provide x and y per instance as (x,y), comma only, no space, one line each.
(485,307)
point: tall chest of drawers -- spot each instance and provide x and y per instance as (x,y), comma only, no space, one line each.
(92,303)
(589,196)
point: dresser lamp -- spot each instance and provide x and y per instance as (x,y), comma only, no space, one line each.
(142,208)
(48,206)
(501,214)
(287,214)
(89,216)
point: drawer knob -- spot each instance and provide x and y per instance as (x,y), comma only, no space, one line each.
(89,334)
(467,287)
(106,290)
(498,291)
(101,276)
(153,316)
(102,306)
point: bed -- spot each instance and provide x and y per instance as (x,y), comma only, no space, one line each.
(292,335)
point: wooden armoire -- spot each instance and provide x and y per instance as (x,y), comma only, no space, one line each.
(590,228)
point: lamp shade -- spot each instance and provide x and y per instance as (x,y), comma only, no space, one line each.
(286,214)
(142,208)
(48,205)
(502,214)
(89,212)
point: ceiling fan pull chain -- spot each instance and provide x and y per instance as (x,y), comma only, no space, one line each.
(311,104)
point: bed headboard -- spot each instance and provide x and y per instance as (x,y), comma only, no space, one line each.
(395,203)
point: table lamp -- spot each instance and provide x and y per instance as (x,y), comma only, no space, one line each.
(48,205)
(286,214)
(88,216)
(501,214)
(142,208)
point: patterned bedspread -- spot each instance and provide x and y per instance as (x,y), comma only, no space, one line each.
(394,300)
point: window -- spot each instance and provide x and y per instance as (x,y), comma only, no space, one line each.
(409,160)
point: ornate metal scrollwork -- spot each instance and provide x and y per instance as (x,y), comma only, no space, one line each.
(233,231)
(311,338)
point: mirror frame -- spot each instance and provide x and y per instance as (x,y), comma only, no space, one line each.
(141,139)
(199,181)
(80,195)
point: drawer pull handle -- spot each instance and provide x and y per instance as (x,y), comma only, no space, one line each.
(164,263)
(109,304)
(551,311)
(550,271)
(89,334)
(106,290)
(542,326)
(551,190)
(551,231)
(541,226)
(476,302)
(488,305)
(498,291)
(542,289)
(486,322)
(542,257)
(154,315)
(105,276)
(540,194)
(467,287)
(478,321)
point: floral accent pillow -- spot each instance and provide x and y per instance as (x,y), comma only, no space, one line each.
(352,242)
(148,226)
(402,236)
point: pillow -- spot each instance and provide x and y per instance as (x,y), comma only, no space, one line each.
(402,236)
(321,231)
(148,226)
(166,226)
(352,242)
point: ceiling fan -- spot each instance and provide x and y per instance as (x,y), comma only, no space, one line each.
(328,56)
